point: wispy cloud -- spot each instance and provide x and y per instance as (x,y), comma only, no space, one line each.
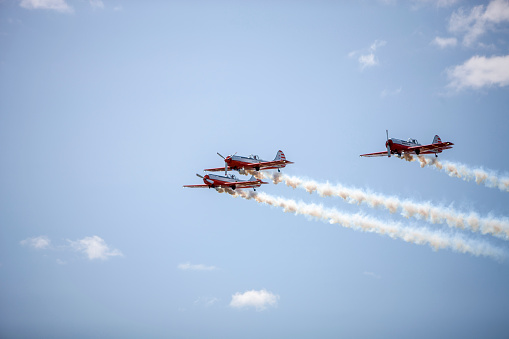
(367,60)
(260,300)
(96,4)
(480,71)
(199,267)
(388,2)
(478,20)
(94,247)
(55,5)
(367,56)
(40,242)
(372,275)
(386,92)
(435,3)
(206,301)
(417,4)
(445,42)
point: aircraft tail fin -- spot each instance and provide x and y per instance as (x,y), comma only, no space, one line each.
(437,140)
(253,178)
(280,156)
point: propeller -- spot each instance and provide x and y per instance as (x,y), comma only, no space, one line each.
(199,176)
(226,162)
(387,144)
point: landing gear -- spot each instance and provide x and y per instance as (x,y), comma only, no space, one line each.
(234,187)
(436,155)
(417,151)
(279,170)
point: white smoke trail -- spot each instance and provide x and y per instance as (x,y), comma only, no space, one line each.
(498,227)
(462,171)
(436,240)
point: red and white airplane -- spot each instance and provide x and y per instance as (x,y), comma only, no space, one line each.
(253,162)
(228,181)
(411,146)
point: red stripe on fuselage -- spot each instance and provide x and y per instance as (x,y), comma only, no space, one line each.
(250,165)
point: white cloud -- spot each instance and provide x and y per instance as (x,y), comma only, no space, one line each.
(477,21)
(199,267)
(480,71)
(445,42)
(94,247)
(367,60)
(40,243)
(497,11)
(56,5)
(367,57)
(257,299)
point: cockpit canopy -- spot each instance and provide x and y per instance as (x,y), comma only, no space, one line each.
(254,156)
(413,141)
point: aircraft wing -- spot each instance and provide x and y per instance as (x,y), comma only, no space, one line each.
(377,154)
(431,148)
(218,169)
(196,186)
(262,165)
(266,164)
(247,183)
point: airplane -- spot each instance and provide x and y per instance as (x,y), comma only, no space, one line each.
(253,162)
(399,147)
(228,181)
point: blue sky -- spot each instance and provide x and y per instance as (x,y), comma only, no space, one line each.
(108,107)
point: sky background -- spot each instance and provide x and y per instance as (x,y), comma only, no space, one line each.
(108,107)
